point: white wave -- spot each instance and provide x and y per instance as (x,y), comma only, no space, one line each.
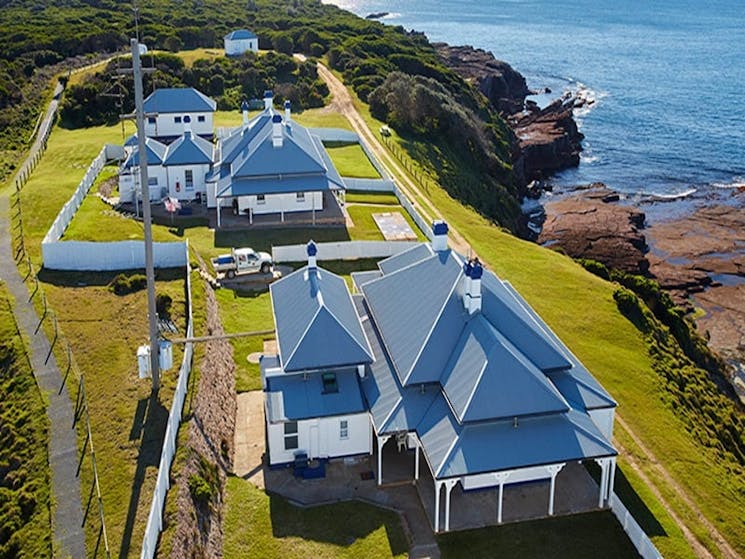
(737,182)
(670,195)
(588,159)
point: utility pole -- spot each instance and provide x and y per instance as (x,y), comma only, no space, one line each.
(147,221)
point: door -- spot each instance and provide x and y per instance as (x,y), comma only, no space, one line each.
(314,435)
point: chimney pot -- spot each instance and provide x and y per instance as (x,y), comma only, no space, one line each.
(440,234)
(244,112)
(311,249)
(268,98)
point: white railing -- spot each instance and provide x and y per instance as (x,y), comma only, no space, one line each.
(369,185)
(155,518)
(342,250)
(641,541)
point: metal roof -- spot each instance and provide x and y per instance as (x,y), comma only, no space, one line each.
(317,326)
(274,185)
(405,258)
(155,154)
(361,278)
(408,306)
(296,397)
(178,100)
(189,149)
(239,34)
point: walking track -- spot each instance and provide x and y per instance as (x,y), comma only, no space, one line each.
(342,103)
(67,512)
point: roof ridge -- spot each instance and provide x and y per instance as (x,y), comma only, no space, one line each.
(300,338)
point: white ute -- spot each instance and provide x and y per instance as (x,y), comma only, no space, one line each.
(242,261)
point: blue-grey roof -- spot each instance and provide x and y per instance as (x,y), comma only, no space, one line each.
(361,278)
(405,258)
(189,149)
(131,141)
(488,378)
(317,326)
(155,154)
(178,100)
(251,164)
(295,397)
(408,307)
(239,34)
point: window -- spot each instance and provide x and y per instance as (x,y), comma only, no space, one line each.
(189,179)
(152,181)
(151,120)
(187,119)
(343,429)
(177,119)
(300,196)
(291,441)
(200,118)
(330,385)
(260,199)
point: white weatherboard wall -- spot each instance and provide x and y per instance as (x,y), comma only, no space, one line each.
(320,438)
(176,181)
(519,475)
(235,47)
(276,203)
(342,250)
(155,518)
(165,124)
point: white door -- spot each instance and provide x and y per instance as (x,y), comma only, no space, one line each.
(314,442)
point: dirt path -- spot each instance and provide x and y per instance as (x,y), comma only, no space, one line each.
(342,103)
(724,548)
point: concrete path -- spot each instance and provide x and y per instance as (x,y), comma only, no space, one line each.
(67,512)
(68,536)
(249,438)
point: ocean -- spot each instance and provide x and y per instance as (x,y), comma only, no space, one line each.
(667,76)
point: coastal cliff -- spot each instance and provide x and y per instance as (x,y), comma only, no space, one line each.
(548,139)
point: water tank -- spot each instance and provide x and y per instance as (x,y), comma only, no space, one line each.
(143,361)
(165,355)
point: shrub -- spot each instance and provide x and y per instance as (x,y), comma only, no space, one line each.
(594,267)
(123,284)
(163,303)
(200,489)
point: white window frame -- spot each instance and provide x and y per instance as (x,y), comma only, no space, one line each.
(343,429)
(290,433)
(260,199)
(300,197)
(200,118)
(177,120)
(189,179)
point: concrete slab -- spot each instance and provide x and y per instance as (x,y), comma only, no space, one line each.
(250,438)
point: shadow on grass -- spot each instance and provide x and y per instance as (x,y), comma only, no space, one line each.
(631,499)
(86,279)
(153,429)
(340,524)
(264,239)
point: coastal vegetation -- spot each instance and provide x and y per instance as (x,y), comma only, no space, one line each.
(25,523)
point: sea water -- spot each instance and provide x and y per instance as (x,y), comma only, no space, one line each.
(667,77)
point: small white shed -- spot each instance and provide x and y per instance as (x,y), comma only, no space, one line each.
(240,41)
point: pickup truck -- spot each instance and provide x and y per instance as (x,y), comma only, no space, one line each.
(242,261)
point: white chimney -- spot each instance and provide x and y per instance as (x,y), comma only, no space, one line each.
(472,292)
(268,96)
(440,235)
(277,134)
(288,112)
(312,250)
(244,112)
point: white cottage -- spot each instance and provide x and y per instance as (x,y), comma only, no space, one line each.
(240,41)
(272,165)
(129,172)
(462,370)
(171,111)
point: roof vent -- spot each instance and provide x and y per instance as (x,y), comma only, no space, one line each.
(277,137)
(288,111)
(312,250)
(244,112)
(440,235)
(472,292)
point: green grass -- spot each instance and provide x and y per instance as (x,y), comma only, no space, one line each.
(259,525)
(572,537)
(25,523)
(247,311)
(311,118)
(104,331)
(365,197)
(365,228)
(351,161)
(581,310)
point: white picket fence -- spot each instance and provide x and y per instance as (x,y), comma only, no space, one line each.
(342,250)
(100,256)
(641,541)
(155,518)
